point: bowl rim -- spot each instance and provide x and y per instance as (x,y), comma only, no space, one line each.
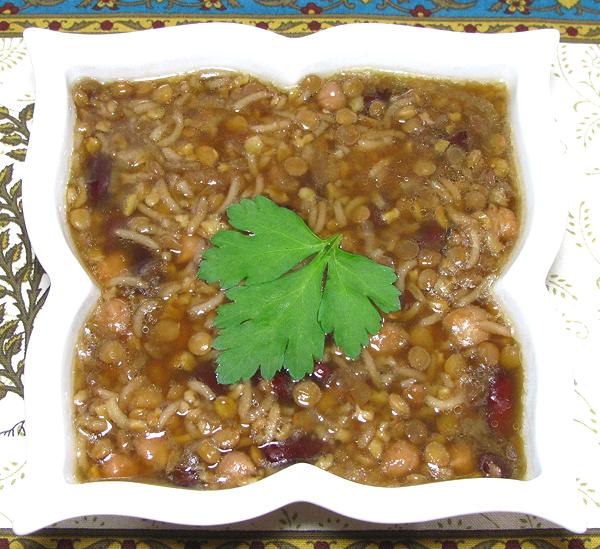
(522,60)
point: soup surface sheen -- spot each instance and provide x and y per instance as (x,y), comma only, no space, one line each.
(416,174)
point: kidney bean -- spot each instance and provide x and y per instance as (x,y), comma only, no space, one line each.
(492,465)
(282,385)
(459,138)
(377,216)
(207,374)
(322,373)
(500,403)
(186,471)
(406,300)
(380,94)
(99,167)
(293,450)
(431,235)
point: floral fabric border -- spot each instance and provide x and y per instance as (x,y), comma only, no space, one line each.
(577,23)
(135,539)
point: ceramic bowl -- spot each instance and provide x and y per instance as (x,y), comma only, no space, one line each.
(521,60)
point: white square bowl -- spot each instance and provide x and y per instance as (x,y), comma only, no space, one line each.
(521,60)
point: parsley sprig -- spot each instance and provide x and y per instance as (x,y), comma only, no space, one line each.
(288,289)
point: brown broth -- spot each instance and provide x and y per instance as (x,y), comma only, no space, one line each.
(415,173)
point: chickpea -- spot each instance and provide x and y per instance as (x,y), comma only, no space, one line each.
(154,451)
(114,314)
(463,325)
(455,155)
(200,343)
(441,145)
(405,113)
(399,459)
(112,352)
(504,222)
(119,466)
(156,114)
(331,97)
(121,89)
(234,468)
(473,159)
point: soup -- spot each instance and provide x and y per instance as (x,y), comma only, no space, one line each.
(416,174)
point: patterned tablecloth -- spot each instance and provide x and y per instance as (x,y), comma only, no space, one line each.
(573,288)
(576,19)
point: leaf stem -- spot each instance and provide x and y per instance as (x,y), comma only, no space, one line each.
(334,241)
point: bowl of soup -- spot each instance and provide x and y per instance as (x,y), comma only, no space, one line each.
(436,165)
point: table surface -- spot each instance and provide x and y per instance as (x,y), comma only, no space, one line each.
(573,289)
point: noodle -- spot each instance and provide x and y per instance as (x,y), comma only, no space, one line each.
(138,238)
(232,193)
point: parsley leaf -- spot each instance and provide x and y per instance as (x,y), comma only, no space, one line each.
(274,240)
(288,289)
(356,287)
(272,325)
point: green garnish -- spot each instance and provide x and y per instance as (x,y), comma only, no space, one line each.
(288,289)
